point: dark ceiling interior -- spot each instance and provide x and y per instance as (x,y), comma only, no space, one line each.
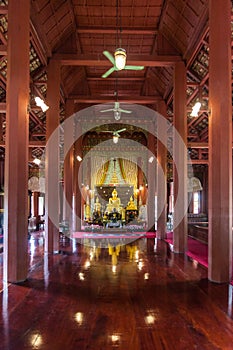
(154,33)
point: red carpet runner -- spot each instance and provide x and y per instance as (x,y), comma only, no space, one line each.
(92,235)
(196,250)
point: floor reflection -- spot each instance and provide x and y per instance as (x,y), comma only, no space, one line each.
(108,294)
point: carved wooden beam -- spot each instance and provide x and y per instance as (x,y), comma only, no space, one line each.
(3,49)
(109,99)
(101,61)
(112,30)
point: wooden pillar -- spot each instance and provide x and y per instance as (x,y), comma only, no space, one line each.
(220,143)
(162,172)
(68,162)
(1,197)
(151,182)
(140,182)
(16,151)
(180,231)
(1,126)
(52,159)
(35,196)
(77,189)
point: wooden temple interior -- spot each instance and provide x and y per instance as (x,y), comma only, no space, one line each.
(91,147)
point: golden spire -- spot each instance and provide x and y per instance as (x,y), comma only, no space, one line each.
(114,179)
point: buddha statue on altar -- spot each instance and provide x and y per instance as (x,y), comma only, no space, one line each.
(131,205)
(114,203)
(97,205)
(97,216)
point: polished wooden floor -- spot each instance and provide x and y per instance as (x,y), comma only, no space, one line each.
(106,296)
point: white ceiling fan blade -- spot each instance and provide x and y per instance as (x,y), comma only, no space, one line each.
(120,130)
(107,110)
(110,71)
(109,56)
(124,110)
(134,67)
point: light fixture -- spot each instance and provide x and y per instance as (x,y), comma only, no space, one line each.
(37,161)
(115,139)
(115,338)
(195,109)
(40,103)
(117,115)
(79,158)
(120,58)
(79,318)
(150,319)
(119,54)
(151,159)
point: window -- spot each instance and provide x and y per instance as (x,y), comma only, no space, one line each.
(196,202)
(41,206)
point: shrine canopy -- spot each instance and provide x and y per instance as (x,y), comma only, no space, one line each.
(120,174)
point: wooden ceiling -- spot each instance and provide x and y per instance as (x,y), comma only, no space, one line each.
(155,33)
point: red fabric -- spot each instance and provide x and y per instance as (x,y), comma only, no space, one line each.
(196,250)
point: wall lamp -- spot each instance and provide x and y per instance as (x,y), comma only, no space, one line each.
(36,161)
(195,109)
(40,103)
(151,159)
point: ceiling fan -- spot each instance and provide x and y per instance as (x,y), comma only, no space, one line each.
(119,56)
(115,134)
(117,110)
(119,59)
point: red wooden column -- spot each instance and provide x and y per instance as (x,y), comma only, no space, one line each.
(77,189)
(16,152)
(52,159)
(151,181)
(1,127)
(68,161)
(140,181)
(162,172)
(220,143)
(180,230)
(35,196)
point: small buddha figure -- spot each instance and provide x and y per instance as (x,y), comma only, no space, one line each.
(131,205)
(97,205)
(97,211)
(87,212)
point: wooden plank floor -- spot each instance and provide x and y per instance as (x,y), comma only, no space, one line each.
(136,296)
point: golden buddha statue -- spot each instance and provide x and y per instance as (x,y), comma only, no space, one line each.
(97,205)
(114,203)
(131,205)
(87,212)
